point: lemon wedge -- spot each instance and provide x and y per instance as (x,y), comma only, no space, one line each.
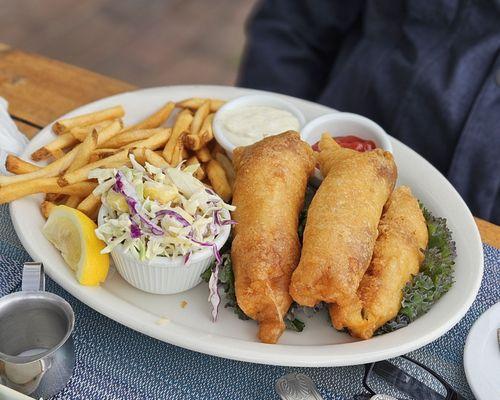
(72,233)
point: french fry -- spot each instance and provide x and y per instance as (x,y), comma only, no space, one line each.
(154,159)
(84,151)
(154,142)
(61,142)
(206,128)
(200,172)
(57,154)
(217,148)
(154,120)
(205,135)
(94,157)
(18,166)
(178,150)
(102,153)
(46,207)
(109,132)
(199,116)
(227,164)
(54,197)
(192,142)
(43,185)
(72,201)
(65,125)
(81,132)
(139,155)
(81,174)
(124,138)
(53,169)
(90,206)
(182,124)
(218,180)
(203,154)
(196,102)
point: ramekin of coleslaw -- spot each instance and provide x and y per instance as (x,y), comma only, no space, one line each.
(163,227)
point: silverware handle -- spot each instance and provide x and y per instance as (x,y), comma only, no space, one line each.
(33,277)
(296,386)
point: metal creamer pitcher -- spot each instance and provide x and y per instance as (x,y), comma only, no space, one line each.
(36,350)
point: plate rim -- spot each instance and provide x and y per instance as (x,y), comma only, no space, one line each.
(274,354)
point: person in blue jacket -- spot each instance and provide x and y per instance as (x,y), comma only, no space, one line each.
(427,71)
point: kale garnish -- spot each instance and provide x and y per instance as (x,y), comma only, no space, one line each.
(434,279)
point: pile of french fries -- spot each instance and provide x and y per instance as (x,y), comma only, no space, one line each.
(100,140)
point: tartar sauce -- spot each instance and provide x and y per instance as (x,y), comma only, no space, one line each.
(249,124)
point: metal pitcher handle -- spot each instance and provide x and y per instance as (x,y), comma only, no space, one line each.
(33,277)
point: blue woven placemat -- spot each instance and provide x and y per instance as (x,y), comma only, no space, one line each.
(114,362)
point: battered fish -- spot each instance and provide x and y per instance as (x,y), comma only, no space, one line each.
(342,221)
(397,256)
(269,190)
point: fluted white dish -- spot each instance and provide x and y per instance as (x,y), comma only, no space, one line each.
(269,100)
(165,275)
(344,124)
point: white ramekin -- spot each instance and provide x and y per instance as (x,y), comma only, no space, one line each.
(344,124)
(250,100)
(162,275)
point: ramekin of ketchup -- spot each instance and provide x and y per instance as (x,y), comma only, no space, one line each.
(351,142)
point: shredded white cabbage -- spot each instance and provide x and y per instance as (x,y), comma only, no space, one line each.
(158,212)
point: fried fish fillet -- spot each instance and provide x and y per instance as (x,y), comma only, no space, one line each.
(342,221)
(269,190)
(397,256)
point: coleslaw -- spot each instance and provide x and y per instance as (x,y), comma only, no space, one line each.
(158,212)
(167,212)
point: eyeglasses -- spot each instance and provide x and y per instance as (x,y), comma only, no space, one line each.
(404,378)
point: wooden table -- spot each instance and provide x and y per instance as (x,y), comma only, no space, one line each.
(39,90)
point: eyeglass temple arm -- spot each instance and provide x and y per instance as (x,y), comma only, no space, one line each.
(405,382)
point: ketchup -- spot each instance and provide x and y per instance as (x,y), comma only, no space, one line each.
(351,142)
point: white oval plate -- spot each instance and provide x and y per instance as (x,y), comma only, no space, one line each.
(482,355)
(190,326)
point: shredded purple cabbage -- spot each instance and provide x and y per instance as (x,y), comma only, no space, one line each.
(218,222)
(175,215)
(213,297)
(123,186)
(135,230)
(216,217)
(187,256)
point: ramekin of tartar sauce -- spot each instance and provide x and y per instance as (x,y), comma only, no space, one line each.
(248,119)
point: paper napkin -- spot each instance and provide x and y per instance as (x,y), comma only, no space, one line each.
(11,139)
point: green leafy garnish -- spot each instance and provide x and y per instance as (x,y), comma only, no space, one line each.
(294,324)
(434,279)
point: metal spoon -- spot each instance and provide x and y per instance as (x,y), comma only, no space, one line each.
(296,386)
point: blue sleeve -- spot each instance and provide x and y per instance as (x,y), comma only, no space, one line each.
(291,44)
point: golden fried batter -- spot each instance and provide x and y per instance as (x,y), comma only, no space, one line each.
(269,190)
(397,256)
(342,222)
